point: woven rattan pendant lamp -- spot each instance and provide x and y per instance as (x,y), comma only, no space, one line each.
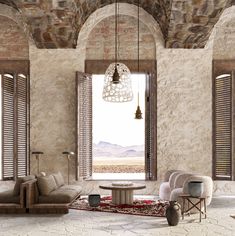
(117,81)
(138,113)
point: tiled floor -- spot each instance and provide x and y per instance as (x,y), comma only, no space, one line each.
(86,223)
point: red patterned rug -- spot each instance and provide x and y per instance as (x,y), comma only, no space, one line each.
(155,208)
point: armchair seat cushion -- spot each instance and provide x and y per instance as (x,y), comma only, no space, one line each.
(9,197)
(60,195)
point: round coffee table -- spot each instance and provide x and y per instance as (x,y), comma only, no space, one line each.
(122,194)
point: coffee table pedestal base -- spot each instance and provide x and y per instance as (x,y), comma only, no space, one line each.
(122,197)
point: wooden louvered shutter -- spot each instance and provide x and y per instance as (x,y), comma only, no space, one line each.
(8,136)
(151,128)
(84,124)
(15,131)
(223,126)
(21,118)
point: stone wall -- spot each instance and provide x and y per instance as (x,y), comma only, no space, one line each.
(184,110)
(101,41)
(53,107)
(13,42)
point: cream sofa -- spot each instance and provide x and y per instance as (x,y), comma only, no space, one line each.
(176,183)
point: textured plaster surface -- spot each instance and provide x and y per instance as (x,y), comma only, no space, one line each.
(53,107)
(84,223)
(223,36)
(184,110)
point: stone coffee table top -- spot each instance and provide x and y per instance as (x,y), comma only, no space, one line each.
(133,186)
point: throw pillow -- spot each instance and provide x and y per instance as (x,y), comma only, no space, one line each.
(59,179)
(19,181)
(46,184)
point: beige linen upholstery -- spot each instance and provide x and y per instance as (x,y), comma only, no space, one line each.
(59,196)
(19,181)
(9,197)
(59,179)
(46,185)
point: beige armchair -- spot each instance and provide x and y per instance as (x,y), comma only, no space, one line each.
(181,187)
(177,185)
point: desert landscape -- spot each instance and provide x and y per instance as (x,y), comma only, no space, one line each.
(113,158)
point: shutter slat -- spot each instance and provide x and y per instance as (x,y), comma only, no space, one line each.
(84,91)
(15,117)
(222,128)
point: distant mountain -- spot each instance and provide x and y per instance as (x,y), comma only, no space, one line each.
(106,149)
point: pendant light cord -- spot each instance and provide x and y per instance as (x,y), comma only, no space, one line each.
(138,47)
(116,28)
(138,36)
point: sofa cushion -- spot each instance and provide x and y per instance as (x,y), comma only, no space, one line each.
(59,179)
(9,197)
(46,184)
(72,187)
(60,195)
(19,181)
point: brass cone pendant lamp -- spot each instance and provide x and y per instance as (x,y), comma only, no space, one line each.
(138,113)
(117,81)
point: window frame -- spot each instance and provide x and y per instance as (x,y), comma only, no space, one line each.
(148,67)
(220,67)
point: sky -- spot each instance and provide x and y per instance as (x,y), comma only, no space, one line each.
(114,122)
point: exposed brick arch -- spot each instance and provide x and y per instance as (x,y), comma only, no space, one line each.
(14,15)
(14,44)
(108,11)
(183,23)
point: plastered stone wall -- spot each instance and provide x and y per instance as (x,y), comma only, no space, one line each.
(184,110)
(224,36)
(53,107)
(101,41)
(13,42)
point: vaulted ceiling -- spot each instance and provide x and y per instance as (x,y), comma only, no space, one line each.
(184,23)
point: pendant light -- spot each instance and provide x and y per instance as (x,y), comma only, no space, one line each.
(117,81)
(138,113)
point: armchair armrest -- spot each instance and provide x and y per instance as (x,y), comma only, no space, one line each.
(207,182)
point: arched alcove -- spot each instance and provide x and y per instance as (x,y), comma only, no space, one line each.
(108,11)
(222,39)
(17,17)
(14,44)
(101,41)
